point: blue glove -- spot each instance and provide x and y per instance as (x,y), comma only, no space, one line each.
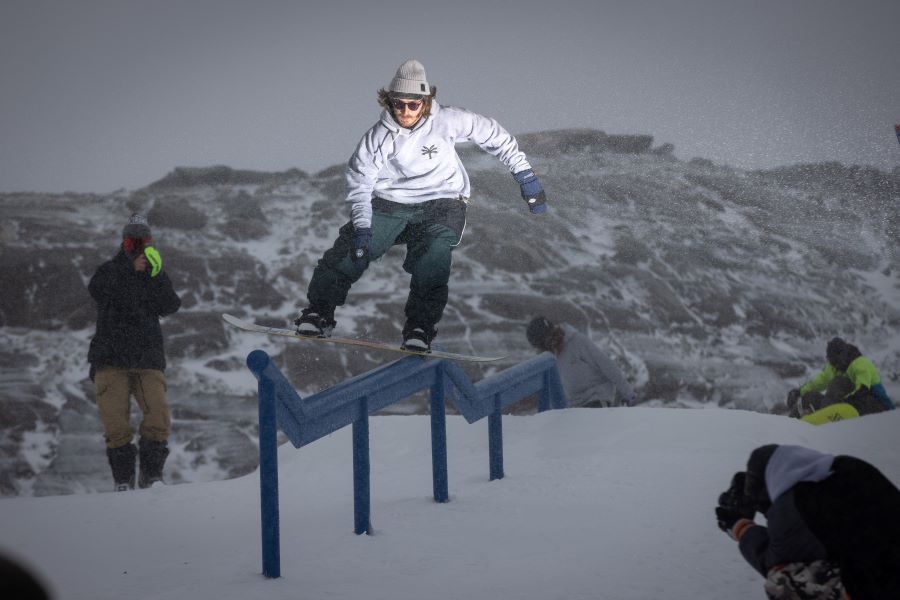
(361,247)
(532,192)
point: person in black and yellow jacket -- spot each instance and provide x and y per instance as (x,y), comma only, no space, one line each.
(848,377)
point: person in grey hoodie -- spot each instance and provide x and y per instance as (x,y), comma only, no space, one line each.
(589,377)
(832,524)
(407,185)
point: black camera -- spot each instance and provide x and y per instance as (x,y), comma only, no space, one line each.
(734,498)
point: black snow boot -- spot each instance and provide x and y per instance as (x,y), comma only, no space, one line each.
(314,323)
(122,460)
(417,337)
(153,458)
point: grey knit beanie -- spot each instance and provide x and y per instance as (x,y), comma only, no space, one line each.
(137,227)
(410,80)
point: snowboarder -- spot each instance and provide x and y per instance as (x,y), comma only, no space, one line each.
(126,354)
(407,185)
(831,522)
(589,377)
(847,377)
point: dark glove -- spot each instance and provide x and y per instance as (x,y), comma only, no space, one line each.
(361,247)
(726,518)
(532,192)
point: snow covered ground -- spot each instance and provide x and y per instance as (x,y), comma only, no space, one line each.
(596,504)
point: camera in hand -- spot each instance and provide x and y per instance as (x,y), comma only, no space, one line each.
(734,498)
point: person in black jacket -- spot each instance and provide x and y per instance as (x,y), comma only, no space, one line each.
(127,357)
(827,518)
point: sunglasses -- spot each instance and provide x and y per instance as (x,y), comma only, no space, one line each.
(411,106)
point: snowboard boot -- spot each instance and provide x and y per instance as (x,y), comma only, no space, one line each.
(417,338)
(153,457)
(792,403)
(121,461)
(314,323)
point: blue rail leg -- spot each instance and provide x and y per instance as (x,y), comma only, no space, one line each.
(544,395)
(268,480)
(361,497)
(495,441)
(439,441)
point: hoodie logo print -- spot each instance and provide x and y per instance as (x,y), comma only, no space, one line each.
(429,150)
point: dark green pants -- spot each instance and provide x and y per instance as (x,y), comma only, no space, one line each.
(429,230)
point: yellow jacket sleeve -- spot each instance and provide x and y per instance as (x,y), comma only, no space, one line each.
(862,372)
(820,381)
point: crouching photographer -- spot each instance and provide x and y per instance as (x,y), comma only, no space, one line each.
(784,551)
(832,524)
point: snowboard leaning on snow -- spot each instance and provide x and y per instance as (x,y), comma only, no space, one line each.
(290,333)
(831,414)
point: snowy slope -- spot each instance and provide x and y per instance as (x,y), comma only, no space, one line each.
(599,504)
(709,285)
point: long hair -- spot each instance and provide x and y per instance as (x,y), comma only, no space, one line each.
(384,101)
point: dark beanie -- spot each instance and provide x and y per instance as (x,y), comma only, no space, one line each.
(137,227)
(537,332)
(835,350)
(755,483)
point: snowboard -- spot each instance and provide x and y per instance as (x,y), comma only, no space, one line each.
(359,342)
(831,414)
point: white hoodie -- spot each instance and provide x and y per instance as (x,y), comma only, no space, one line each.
(415,165)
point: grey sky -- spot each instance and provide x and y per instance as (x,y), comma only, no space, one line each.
(102,95)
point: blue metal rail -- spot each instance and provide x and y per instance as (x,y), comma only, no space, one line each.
(304,420)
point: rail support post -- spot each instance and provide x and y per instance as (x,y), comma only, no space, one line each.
(439,440)
(361,473)
(268,480)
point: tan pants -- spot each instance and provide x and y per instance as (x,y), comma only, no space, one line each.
(114,389)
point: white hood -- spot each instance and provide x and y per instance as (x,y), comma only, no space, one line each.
(790,465)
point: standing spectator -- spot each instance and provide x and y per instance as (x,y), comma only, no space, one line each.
(830,520)
(126,354)
(847,377)
(589,377)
